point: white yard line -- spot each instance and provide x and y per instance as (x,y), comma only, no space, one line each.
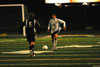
(98,42)
(26,52)
(48,36)
(45,51)
(75,46)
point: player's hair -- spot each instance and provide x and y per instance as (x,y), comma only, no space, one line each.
(30,15)
(54,14)
(32,12)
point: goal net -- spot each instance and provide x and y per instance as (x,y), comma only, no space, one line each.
(11,18)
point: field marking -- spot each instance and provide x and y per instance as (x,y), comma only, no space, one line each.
(77,52)
(26,52)
(98,42)
(75,46)
(51,64)
(48,36)
(69,46)
(72,59)
(39,52)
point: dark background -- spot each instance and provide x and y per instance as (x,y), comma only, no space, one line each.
(77,16)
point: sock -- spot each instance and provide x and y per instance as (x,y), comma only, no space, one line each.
(55,43)
(31,47)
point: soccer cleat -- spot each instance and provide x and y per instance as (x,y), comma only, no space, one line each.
(32,53)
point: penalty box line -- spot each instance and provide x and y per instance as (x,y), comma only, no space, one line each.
(39,52)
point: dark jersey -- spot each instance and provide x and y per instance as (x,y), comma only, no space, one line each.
(30,24)
(32,27)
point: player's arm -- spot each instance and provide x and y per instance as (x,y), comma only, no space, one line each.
(49,25)
(22,25)
(64,23)
(37,27)
(25,23)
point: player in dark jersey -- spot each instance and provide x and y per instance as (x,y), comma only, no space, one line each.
(32,28)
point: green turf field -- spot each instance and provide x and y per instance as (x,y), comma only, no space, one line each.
(81,51)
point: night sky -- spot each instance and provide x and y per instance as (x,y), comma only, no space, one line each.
(77,17)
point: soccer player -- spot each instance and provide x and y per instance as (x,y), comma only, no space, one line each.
(32,27)
(54,27)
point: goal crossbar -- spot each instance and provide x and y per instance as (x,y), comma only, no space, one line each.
(22,9)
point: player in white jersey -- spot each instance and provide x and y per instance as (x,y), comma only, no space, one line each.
(54,27)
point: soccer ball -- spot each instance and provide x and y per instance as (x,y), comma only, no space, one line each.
(45,47)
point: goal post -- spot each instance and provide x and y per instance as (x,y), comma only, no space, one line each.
(22,12)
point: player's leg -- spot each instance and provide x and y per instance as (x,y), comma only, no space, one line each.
(55,40)
(32,46)
(53,43)
(31,39)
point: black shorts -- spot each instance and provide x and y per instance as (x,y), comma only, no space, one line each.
(53,34)
(30,35)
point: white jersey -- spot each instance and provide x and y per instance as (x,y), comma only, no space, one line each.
(54,24)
